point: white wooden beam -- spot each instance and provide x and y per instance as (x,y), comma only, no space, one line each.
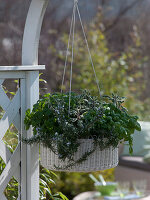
(4,152)
(1,81)
(32,95)
(3,197)
(22,68)
(10,114)
(23,146)
(12,75)
(17,122)
(4,100)
(17,174)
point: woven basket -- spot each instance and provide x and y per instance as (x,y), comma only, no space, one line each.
(99,160)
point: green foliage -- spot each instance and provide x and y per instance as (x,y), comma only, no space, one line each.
(2,165)
(71,184)
(11,138)
(116,71)
(120,72)
(60,129)
(46,182)
(1,112)
(42,83)
(11,191)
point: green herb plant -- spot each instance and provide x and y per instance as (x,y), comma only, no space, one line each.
(60,129)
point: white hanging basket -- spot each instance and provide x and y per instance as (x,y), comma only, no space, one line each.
(98,160)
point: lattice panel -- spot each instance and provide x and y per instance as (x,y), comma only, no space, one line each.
(11,108)
(23,163)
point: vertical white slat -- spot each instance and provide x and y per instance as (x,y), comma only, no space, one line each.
(3,197)
(1,81)
(17,122)
(23,194)
(32,95)
(4,100)
(17,176)
(4,152)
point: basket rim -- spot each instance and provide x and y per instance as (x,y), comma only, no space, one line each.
(85,141)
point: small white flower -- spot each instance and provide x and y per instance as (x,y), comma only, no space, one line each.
(68,143)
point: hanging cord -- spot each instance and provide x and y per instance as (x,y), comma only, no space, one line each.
(70,33)
(86,41)
(73,36)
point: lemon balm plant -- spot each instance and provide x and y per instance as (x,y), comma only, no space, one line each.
(105,122)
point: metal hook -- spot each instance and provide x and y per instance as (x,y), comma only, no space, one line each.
(75,1)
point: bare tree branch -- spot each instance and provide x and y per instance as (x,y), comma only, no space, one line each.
(121,14)
(103,2)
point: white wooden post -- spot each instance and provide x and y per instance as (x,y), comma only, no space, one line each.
(24,162)
(30,154)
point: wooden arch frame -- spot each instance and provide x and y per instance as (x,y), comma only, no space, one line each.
(23,163)
(30,57)
(32,32)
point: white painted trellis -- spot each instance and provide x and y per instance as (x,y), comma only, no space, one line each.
(23,164)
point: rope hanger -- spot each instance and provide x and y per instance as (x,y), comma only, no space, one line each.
(72,36)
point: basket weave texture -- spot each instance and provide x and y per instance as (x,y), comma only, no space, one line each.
(99,160)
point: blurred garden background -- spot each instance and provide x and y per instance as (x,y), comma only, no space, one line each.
(118,34)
